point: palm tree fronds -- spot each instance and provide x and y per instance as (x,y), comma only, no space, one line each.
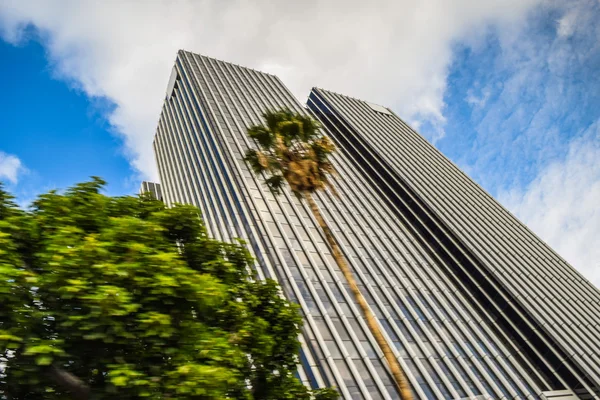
(291,130)
(256,160)
(262,135)
(310,127)
(275,183)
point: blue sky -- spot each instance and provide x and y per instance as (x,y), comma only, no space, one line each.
(514,105)
(59,134)
(509,90)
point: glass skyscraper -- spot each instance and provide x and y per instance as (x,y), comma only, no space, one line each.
(475,306)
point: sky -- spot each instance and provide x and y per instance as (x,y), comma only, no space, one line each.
(509,90)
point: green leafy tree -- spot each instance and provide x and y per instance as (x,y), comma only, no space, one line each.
(292,151)
(119,297)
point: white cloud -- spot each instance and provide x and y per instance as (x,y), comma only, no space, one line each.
(10,167)
(478,101)
(539,85)
(562,204)
(567,24)
(390,52)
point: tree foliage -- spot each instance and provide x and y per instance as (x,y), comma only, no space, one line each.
(120,297)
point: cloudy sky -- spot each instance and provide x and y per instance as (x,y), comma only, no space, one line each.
(508,89)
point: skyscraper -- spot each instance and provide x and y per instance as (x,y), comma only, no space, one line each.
(152,188)
(547,308)
(460,327)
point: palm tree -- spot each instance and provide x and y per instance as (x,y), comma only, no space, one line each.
(293,151)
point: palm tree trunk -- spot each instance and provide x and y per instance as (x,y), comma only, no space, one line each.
(399,376)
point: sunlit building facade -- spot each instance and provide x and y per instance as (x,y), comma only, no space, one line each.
(461,312)
(151,188)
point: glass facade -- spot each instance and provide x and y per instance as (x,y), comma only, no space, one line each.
(448,343)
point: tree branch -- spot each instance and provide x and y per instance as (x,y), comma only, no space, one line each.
(66,380)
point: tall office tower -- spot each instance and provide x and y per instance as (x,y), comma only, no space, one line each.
(546,313)
(445,337)
(152,188)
